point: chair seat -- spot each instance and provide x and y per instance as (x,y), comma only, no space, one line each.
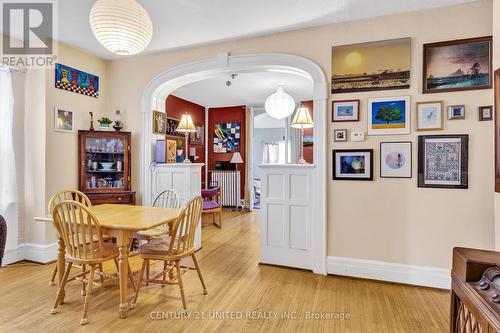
(150,234)
(210,205)
(109,251)
(158,246)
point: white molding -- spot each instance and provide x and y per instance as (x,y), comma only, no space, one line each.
(171,79)
(435,277)
(41,253)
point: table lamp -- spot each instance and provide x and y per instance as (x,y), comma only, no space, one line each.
(236,159)
(186,126)
(302,120)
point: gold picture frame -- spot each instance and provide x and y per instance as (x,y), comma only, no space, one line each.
(159,123)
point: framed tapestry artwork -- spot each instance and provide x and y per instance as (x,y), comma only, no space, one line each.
(456,112)
(396,159)
(171,129)
(159,122)
(340,135)
(77,81)
(485,113)
(429,116)
(352,164)
(456,65)
(443,161)
(197,138)
(380,65)
(63,120)
(345,110)
(389,115)
(171,151)
(226,137)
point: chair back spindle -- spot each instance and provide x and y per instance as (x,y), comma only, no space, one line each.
(185,228)
(167,199)
(71,195)
(79,229)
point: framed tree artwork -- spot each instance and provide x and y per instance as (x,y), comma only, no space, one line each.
(389,115)
(443,161)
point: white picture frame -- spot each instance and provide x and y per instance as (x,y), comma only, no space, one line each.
(396,159)
(379,125)
(63,120)
(429,116)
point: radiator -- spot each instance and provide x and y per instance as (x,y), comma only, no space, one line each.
(230,183)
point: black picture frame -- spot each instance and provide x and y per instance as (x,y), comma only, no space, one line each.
(334,163)
(464,161)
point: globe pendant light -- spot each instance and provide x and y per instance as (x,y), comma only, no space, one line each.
(279,105)
(121,26)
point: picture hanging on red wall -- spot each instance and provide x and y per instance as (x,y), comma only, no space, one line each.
(227,137)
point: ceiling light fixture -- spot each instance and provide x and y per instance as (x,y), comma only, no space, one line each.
(279,105)
(121,26)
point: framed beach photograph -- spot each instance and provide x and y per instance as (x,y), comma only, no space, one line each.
(429,116)
(456,112)
(159,122)
(352,164)
(456,65)
(485,113)
(379,65)
(345,110)
(396,159)
(63,120)
(443,161)
(340,135)
(389,115)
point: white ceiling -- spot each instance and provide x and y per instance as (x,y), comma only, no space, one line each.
(183,23)
(245,89)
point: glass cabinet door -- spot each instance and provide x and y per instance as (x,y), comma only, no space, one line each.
(104,163)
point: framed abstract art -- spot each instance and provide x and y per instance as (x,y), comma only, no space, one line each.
(226,137)
(352,164)
(443,161)
(77,81)
(395,159)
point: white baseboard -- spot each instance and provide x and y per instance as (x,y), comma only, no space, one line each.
(379,270)
(41,253)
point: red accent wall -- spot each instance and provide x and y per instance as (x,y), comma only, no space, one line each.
(308,151)
(175,107)
(227,114)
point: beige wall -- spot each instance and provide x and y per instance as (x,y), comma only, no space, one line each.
(496,65)
(61,150)
(388,220)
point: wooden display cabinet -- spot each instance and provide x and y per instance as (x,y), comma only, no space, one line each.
(104,174)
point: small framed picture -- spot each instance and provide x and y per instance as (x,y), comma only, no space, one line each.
(340,135)
(456,112)
(159,122)
(485,113)
(443,161)
(389,115)
(352,164)
(429,116)
(396,159)
(347,110)
(63,120)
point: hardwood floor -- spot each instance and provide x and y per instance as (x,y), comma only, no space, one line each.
(237,286)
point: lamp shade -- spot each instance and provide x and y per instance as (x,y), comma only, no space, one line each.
(121,26)
(279,105)
(236,158)
(302,118)
(186,124)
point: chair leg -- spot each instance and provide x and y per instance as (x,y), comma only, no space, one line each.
(198,270)
(147,271)
(141,274)
(131,278)
(164,273)
(87,297)
(54,273)
(61,288)
(102,277)
(220,218)
(83,292)
(181,286)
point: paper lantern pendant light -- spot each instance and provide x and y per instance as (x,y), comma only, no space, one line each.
(279,105)
(121,26)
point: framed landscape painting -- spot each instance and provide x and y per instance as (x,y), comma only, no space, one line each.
(389,115)
(352,164)
(456,65)
(395,159)
(443,161)
(380,65)
(345,110)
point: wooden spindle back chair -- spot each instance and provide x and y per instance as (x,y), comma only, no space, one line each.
(184,229)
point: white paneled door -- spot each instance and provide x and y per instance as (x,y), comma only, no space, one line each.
(286,215)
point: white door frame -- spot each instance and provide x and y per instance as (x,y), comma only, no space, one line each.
(162,85)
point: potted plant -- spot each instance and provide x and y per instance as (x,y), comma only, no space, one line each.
(104,123)
(179,151)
